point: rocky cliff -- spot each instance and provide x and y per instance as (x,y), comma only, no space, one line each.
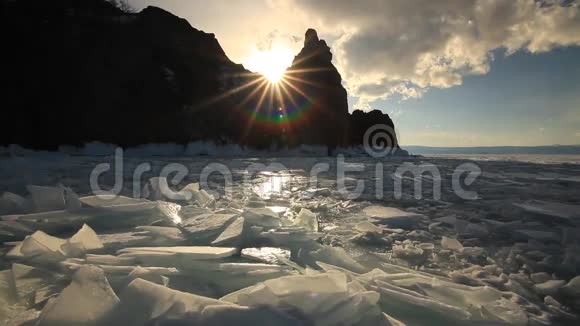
(312,72)
(79,71)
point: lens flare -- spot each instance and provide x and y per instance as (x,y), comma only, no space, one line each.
(271,63)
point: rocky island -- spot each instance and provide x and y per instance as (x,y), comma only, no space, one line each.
(83,71)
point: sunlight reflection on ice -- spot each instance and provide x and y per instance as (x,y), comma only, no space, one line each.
(277,209)
(272,184)
(170,210)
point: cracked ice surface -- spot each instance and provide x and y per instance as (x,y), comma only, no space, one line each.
(284,251)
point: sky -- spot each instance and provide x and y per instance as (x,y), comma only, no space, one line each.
(449,72)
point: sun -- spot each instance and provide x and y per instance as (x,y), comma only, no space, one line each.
(270,63)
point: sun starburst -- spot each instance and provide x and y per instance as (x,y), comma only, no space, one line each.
(272,63)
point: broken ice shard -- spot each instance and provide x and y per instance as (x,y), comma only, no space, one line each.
(393,217)
(88,300)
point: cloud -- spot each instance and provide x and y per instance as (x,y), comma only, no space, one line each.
(276,38)
(386,47)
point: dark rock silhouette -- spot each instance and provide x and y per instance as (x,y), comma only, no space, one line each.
(79,71)
(312,71)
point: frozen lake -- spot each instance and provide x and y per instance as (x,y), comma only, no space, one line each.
(527,158)
(503,247)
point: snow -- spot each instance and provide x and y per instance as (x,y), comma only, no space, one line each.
(192,149)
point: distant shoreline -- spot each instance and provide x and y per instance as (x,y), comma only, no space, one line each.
(496,150)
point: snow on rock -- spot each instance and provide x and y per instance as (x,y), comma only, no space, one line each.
(88,300)
(393,217)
